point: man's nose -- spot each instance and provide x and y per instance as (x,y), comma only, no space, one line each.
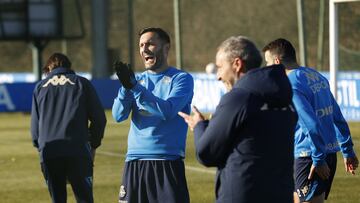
(143,48)
(147,50)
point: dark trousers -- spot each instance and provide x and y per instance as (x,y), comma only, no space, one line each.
(154,181)
(78,171)
(308,189)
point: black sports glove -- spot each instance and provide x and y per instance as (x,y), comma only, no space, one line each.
(125,74)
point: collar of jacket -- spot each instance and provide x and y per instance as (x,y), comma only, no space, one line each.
(60,70)
(270,83)
(262,74)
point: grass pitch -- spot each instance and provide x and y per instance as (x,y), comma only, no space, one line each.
(21,179)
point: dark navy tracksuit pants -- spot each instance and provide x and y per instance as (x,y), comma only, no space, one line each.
(78,171)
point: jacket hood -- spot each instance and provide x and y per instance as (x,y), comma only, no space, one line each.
(270,83)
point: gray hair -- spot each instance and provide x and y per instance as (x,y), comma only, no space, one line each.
(244,48)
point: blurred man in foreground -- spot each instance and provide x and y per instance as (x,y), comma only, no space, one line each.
(250,136)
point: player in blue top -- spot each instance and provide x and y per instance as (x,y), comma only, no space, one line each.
(154,169)
(321,130)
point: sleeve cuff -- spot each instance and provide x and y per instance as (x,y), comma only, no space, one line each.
(124,93)
(349,154)
(319,162)
(200,128)
(35,144)
(137,88)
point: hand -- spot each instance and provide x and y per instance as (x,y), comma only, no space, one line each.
(125,74)
(194,119)
(351,164)
(323,171)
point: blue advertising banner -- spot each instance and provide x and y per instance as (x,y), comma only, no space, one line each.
(107,90)
(17,96)
(348,93)
(207,93)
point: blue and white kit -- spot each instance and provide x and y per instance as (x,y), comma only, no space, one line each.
(157,131)
(321,128)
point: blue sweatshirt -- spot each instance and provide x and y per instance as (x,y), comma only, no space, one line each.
(156,131)
(321,128)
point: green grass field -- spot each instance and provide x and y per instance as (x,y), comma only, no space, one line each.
(22,181)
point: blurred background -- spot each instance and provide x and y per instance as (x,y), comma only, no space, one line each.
(203,25)
(93,33)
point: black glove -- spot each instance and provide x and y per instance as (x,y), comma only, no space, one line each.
(125,74)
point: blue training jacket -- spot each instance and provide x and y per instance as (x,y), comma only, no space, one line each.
(321,128)
(66,116)
(250,139)
(156,131)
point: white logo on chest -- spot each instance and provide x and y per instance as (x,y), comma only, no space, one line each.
(166,79)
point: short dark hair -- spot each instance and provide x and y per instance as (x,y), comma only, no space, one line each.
(56,60)
(244,48)
(163,35)
(282,48)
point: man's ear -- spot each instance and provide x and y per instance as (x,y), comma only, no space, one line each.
(166,49)
(239,65)
(277,61)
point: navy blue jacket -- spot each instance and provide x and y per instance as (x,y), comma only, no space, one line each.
(66,116)
(250,139)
